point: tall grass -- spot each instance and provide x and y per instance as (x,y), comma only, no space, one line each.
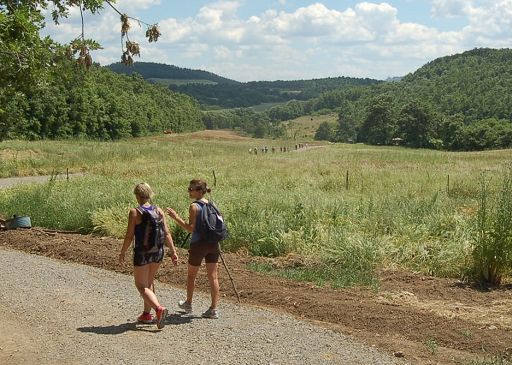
(397,211)
(492,252)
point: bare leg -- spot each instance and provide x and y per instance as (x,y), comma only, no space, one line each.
(213,278)
(142,275)
(191,281)
(147,307)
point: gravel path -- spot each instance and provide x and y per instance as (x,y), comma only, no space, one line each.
(57,312)
(11,181)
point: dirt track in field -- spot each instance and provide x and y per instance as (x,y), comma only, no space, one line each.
(430,320)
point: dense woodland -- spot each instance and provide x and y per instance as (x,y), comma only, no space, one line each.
(235,95)
(53,91)
(461,102)
(96,104)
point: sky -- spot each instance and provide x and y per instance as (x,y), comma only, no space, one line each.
(252,40)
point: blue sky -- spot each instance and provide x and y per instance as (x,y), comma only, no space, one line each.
(250,40)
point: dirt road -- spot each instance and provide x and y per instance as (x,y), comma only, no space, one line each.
(56,312)
(11,181)
(431,320)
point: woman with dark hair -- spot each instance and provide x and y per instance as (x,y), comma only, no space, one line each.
(147,260)
(199,250)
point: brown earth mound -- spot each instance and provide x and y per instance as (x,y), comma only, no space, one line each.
(428,320)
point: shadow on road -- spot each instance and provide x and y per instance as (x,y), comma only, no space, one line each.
(172,319)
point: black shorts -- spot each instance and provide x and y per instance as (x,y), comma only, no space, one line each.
(141,258)
(199,250)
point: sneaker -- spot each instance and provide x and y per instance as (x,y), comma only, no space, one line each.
(211,313)
(161,314)
(145,318)
(185,306)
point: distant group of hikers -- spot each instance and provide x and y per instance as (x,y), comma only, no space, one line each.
(148,229)
(265,149)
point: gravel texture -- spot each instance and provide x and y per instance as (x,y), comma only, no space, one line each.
(11,181)
(56,312)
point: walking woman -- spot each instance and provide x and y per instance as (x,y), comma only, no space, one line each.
(199,250)
(147,256)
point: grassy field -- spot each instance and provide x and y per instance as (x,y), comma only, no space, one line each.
(304,127)
(397,209)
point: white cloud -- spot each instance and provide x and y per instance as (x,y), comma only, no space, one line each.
(366,40)
(450,8)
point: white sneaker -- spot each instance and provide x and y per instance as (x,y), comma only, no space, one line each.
(185,306)
(211,313)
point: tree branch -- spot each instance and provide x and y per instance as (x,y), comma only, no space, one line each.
(129,17)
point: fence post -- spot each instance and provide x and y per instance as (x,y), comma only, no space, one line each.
(346,181)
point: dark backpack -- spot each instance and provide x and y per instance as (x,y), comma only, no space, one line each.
(154,230)
(211,225)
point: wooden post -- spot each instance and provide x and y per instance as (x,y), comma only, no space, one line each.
(448,185)
(67,174)
(346,181)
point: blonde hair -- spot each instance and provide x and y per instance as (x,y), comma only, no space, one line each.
(144,191)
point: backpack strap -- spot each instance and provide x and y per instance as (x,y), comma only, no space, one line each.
(147,228)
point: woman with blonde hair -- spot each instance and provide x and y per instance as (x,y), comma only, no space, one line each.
(147,225)
(199,250)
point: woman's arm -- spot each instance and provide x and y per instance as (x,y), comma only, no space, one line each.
(192,211)
(130,232)
(169,242)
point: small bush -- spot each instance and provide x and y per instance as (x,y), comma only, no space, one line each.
(110,221)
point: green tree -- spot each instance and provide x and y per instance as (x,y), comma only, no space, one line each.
(417,124)
(450,131)
(378,126)
(346,129)
(324,132)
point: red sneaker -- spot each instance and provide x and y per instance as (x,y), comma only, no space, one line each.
(161,314)
(146,318)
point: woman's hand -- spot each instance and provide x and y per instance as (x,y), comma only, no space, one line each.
(174,257)
(172,213)
(122,254)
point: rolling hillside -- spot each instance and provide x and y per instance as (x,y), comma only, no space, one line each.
(213,90)
(168,74)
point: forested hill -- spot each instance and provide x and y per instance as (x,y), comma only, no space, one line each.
(159,71)
(476,84)
(258,92)
(96,104)
(213,90)
(459,102)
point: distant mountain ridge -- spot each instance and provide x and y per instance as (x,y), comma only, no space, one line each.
(213,90)
(151,70)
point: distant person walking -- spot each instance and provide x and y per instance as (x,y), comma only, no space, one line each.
(199,250)
(147,225)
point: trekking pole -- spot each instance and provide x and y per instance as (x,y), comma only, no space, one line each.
(222,255)
(230,277)
(184,242)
